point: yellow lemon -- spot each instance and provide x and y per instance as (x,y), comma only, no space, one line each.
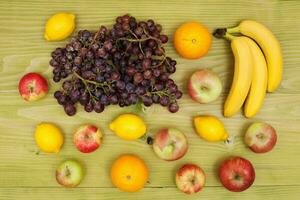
(128,126)
(210,128)
(59,26)
(48,137)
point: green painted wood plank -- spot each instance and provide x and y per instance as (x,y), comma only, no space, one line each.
(208,193)
(23,49)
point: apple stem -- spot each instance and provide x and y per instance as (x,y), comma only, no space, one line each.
(204,88)
(193,181)
(31,87)
(67,171)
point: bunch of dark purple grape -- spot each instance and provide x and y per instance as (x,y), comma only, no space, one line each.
(124,66)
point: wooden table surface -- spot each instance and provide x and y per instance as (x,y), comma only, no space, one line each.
(26,174)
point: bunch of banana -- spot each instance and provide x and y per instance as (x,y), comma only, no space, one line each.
(257,68)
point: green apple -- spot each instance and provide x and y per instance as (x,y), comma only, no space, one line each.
(204,86)
(69,173)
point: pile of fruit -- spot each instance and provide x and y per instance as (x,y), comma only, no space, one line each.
(127,64)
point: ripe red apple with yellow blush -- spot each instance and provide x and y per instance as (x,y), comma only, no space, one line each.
(204,86)
(87,138)
(33,87)
(190,178)
(260,137)
(170,144)
(236,174)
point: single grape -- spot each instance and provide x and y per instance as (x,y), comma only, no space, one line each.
(113,99)
(146,63)
(147,74)
(147,100)
(115,76)
(178,94)
(130,87)
(98,107)
(158,27)
(164,101)
(172,88)
(74,96)
(101,53)
(62,100)
(120,85)
(57,94)
(150,23)
(163,38)
(142,24)
(99,78)
(146,83)
(84,99)
(140,90)
(159,86)
(156,73)
(98,92)
(67,85)
(104,99)
(173,107)
(108,45)
(133,98)
(54,63)
(155,98)
(138,77)
(163,77)
(89,107)
(124,95)
(63,74)
(130,71)
(169,82)
(158,52)
(70,109)
(171,69)
(148,52)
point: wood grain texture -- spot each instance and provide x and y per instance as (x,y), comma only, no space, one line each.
(26,174)
(214,193)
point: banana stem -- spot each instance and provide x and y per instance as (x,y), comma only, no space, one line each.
(233,30)
(228,36)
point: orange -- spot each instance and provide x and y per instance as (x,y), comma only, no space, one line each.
(129,173)
(192,40)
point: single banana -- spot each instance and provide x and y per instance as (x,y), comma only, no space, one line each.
(243,71)
(258,87)
(269,45)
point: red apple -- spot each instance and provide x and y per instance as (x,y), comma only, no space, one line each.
(69,173)
(204,86)
(260,137)
(87,138)
(33,86)
(190,178)
(170,144)
(236,174)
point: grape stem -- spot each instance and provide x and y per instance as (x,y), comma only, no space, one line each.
(143,40)
(85,82)
(140,44)
(94,98)
(160,93)
(92,82)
